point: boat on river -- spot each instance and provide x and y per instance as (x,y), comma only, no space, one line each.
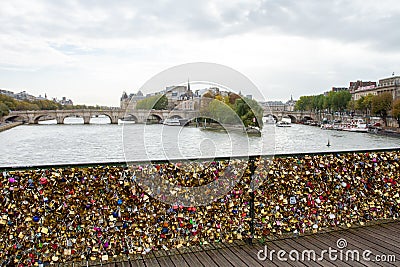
(254,131)
(172,122)
(356,125)
(270,120)
(285,122)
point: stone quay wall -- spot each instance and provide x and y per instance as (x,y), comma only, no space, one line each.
(57,214)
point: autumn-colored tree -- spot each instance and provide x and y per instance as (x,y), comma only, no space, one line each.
(364,104)
(396,110)
(233,97)
(381,105)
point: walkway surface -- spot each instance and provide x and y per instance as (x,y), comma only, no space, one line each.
(376,245)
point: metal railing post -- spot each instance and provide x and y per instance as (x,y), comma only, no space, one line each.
(252,215)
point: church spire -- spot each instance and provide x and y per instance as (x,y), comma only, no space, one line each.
(188,85)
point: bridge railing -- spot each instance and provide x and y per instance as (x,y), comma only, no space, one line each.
(93,211)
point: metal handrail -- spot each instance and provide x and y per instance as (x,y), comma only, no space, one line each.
(175,160)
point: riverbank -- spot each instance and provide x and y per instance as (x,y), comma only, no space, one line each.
(7,126)
(392,132)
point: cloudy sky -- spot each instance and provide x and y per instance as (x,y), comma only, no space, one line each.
(91,51)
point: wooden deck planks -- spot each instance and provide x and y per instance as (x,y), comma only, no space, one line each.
(317,247)
(363,244)
(382,239)
(299,248)
(354,243)
(383,242)
(202,257)
(245,256)
(331,241)
(267,261)
(189,257)
(178,260)
(230,257)
(282,245)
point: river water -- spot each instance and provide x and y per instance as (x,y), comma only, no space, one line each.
(101,142)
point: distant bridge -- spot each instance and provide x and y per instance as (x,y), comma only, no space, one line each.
(139,116)
(295,116)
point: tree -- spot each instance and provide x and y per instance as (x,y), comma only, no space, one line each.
(232,98)
(396,111)
(340,100)
(3,109)
(249,111)
(381,104)
(360,104)
(328,102)
(318,102)
(46,104)
(161,103)
(364,104)
(158,102)
(368,103)
(345,98)
(244,110)
(222,113)
(351,106)
(304,103)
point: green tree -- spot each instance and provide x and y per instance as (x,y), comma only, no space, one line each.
(26,105)
(360,104)
(162,103)
(222,113)
(8,101)
(351,106)
(244,110)
(368,103)
(303,104)
(3,109)
(396,111)
(364,104)
(381,104)
(340,100)
(46,104)
(318,102)
(158,102)
(328,102)
(249,111)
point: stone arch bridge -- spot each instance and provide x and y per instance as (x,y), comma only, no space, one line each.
(139,116)
(295,116)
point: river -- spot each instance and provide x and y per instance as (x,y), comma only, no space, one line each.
(101,142)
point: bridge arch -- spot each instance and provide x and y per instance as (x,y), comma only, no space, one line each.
(60,119)
(131,117)
(307,118)
(37,118)
(272,115)
(101,114)
(13,118)
(154,118)
(175,117)
(292,118)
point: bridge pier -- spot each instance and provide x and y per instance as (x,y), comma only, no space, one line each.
(60,120)
(31,119)
(114,119)
(86,119)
